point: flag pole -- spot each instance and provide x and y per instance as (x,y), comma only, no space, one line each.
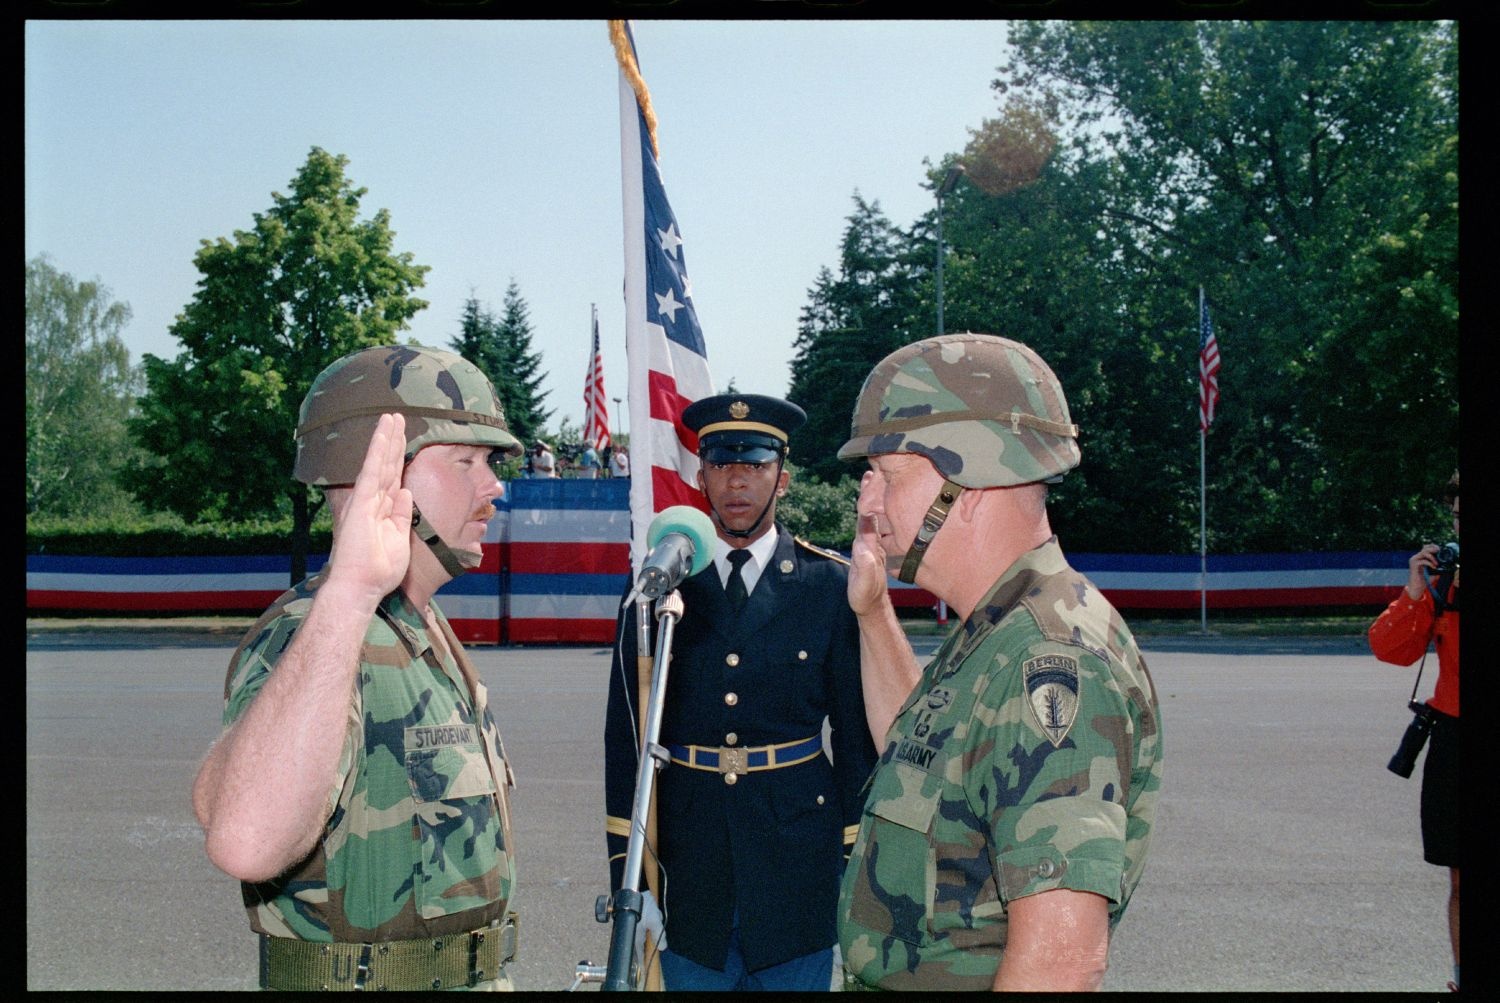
(1202,502)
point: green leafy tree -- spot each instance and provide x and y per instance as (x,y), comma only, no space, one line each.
(520,378)
(308,283)
(1025,261)
(820,513)
(1304,173)
(80,390)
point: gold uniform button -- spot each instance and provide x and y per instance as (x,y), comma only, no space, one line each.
(731,698)
(801,656)
(731,738)
(820,799)
(786,567)
(732,660)
(731,778)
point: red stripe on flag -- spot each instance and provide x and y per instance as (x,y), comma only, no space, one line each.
(1208,369)
(668,488)
(595,410)
(667,405)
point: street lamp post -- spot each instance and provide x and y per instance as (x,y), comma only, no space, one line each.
(618,413)
(954,173)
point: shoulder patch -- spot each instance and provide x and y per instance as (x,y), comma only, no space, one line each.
(832,555)
(1052,693)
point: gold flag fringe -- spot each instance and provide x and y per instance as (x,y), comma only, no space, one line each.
(626,58)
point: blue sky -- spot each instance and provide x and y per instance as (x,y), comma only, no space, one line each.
(495,147)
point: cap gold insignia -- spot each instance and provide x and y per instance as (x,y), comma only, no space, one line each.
(738,410)
(1052,694)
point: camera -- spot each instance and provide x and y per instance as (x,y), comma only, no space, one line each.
(1447,559)
(1411,743)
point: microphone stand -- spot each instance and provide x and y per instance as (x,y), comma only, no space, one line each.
(625,908)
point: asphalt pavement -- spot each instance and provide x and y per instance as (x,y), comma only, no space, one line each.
(1286,857)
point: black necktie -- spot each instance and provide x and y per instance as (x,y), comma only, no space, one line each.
(735,587)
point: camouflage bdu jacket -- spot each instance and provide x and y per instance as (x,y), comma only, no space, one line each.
(1027,758)
(418,840)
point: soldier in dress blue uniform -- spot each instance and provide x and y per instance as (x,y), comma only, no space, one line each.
(753,819)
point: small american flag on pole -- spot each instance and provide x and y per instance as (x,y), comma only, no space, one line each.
(1208,366)
(668,363)
(595,410)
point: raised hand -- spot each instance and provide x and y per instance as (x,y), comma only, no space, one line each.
(372,535)
(867,573)
(1424,560)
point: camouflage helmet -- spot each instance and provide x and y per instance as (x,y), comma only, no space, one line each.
(986,410)
(444,397)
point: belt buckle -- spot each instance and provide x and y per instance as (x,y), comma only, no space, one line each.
(732,760)
(476,970)
(362,971)
(510,938)
(506,936)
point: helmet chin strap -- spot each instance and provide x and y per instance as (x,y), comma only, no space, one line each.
(741,534)
(456,563)
(937,513)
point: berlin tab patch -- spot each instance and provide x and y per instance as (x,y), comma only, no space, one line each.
(1052,693)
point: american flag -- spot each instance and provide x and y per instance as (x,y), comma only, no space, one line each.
(595,410)
(668,364)
(1208,366)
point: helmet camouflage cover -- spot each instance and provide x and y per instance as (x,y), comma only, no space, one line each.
(444,397)
(986,410)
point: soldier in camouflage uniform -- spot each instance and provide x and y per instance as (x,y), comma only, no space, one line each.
(360,790)
(1007,822)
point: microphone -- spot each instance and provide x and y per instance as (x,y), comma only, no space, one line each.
(681,539)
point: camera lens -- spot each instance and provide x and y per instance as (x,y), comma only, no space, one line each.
(1412,742)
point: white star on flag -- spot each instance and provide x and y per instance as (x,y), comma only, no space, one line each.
(668,306)
(669,240)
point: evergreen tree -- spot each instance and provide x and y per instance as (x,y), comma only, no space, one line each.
(852,320)
(519,383)
(479,342)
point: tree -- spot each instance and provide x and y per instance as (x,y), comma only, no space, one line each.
(479,342)
(80,389)
(852,321)
(520,378)
(308,283)
(1303,172)
(818,512)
